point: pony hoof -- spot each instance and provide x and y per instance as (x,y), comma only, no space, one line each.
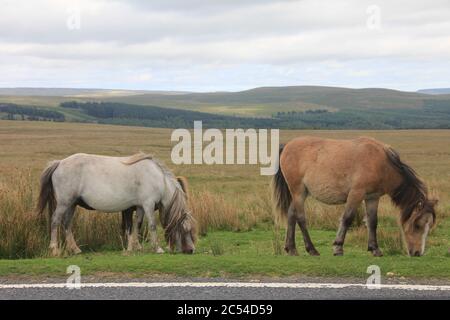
(338,251)
(377,253)
(55,252)
(160,250)
(314,253)
(292,252)
(74,251)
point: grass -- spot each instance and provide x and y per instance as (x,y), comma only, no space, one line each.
(243,254)
(238,234)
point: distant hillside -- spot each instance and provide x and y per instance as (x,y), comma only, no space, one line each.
(435,91)
(283,107)
(267,100)
(434,115)
(260,102)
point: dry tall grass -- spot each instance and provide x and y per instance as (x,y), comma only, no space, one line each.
(217,212)
(23,234)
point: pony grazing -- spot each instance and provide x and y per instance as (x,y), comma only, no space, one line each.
(349,172)
(112,184)
(127,215)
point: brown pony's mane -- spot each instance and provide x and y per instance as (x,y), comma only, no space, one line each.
(412,192)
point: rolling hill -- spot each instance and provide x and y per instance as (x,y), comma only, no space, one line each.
(287,107)
(435,91)
(267,100)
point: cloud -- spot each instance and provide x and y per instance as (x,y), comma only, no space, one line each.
(123,38)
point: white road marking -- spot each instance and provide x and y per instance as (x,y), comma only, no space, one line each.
(227,285)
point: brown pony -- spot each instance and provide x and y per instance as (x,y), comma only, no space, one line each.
(350,171)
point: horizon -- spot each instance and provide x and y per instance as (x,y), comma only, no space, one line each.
(227,91)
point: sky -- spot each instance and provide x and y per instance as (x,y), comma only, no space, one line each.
(224,45)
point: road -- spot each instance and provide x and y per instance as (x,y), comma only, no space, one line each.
(221,290)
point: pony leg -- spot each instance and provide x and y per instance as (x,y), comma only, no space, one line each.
(56,222)
(290,246)
(372,221)
(354,199)
(133,238)
(301,220)
(127,223)
(151,217)
(140,220)
(70,240)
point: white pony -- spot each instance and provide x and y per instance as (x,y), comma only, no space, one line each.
(113,184)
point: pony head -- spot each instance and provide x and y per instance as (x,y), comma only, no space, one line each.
(179,224)
(417,227)
(183,239)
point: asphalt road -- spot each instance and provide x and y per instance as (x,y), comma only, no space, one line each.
(224,291)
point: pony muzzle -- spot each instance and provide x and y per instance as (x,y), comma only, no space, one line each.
(415,253)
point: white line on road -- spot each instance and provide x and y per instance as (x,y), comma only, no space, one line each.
(227,285)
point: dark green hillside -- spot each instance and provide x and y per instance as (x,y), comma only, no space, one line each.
(435,115)
(15,112)
(296,107)
(267,100)
(258,102)
(151,116)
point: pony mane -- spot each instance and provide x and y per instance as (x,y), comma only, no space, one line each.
(135,158)
(175,215)
(412,192)
(178,182)
(176,212)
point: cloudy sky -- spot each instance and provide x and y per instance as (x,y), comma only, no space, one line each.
(214,45)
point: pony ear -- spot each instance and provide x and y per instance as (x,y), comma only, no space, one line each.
(187,225)
(184,185)
(420,205)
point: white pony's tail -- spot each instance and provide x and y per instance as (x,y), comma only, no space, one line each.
(47,193)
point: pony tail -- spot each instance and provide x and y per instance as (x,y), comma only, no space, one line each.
(281,194)
(47,193)
(184,185)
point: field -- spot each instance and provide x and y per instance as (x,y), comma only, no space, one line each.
(238,234)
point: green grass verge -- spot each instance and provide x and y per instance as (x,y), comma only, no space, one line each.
(242,254)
